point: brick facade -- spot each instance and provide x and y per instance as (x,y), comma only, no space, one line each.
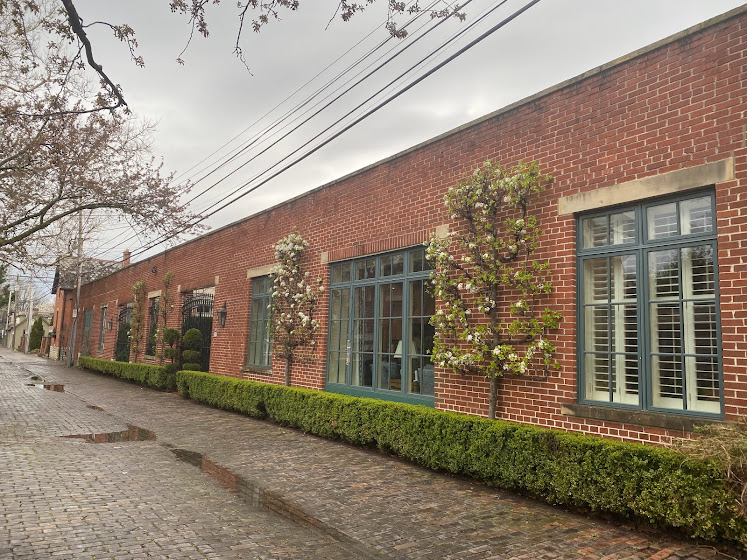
(676,105)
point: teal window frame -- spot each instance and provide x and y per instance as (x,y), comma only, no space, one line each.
(408,268)
(259,342)
(641,247)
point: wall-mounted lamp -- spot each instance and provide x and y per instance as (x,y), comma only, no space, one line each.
(154,269)
(110,326)
(222,312)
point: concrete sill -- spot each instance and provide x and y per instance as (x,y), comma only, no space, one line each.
(636,417)
(255,369)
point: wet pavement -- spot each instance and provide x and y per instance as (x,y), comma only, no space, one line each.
(94,467)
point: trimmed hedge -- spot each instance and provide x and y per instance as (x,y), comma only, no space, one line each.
(158,377)
(643,483)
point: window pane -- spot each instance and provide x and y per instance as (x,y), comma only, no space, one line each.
(667,375)
(595,280)
(594,232)
(702,323)
(365,269)
(341,273)
(623,278)
(663,271)
(597,373)
(698,271)
(418,262)
(696,215)
(393,264)
(666,337)
(624,328)
(622,226)
(662,221)
(597,329)
(706,395)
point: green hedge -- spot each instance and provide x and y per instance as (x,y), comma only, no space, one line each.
(643,483)
(157,377)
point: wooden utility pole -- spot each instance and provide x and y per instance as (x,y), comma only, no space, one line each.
(15,312)
(7,315)
(77,292)
(29,316)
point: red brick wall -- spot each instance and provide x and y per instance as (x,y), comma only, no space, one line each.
(674,107)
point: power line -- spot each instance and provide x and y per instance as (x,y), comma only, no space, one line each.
(257,137)
(357,120)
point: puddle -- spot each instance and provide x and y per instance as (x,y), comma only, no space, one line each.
(132,433)
(260,498)
(56,387)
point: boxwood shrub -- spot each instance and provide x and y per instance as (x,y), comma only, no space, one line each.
(648,484)
(158,377)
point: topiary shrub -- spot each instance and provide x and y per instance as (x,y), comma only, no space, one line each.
(191,356)
(37,332)
(171,337)
(192,340)
(191,350)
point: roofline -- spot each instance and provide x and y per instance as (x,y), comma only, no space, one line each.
(525,101)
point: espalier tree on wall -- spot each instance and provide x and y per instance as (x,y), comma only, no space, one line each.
(488,282)
(137,326)
(293,301)
(165,305)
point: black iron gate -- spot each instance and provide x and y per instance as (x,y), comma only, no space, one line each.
(122,350)
(197,313)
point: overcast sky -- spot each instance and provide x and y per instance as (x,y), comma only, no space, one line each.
(212,98)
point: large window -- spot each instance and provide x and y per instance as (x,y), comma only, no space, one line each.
(380,338)
(102,329)
(260,327)
(648,313)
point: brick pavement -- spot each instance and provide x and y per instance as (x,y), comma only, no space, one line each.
(145,498)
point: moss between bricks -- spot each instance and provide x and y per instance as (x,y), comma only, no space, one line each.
(643,483)
(158,377)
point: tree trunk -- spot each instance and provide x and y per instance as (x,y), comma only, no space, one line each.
(288,372)
(493,398)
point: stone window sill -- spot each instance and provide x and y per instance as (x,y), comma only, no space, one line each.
(255,369)
(636,417)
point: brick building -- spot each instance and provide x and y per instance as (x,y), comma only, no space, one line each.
(645,226)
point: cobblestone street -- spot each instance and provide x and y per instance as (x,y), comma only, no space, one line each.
(168,478)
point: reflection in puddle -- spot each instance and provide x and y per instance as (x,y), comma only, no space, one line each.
(251,493)
(259,498)
(56,387)
(132,433)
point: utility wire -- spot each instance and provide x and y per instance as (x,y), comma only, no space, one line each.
(368,113)
(293,110)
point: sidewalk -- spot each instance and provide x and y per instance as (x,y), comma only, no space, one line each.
(359,503)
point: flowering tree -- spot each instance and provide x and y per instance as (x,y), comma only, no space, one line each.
(137,326)
(487,280)
(293,301)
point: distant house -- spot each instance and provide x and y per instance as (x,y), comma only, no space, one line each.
(64,287)
(22,329)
